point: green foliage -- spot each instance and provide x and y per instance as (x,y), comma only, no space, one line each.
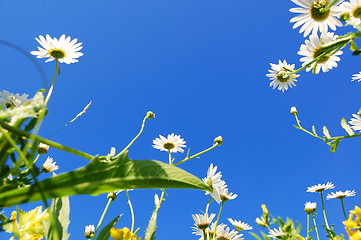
(60,209)
(101,177)
(105,232)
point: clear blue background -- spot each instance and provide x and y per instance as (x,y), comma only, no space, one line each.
(200,66)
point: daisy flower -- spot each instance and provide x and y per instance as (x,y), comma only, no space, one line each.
(8,99)
(313,48)
(357,77)
(173,143)
(202,221)
(340,194)
(293,111)
(274,233)
(320,187)
(224,194)
(89,231)
(310,207)
(229,235)
(239,225)
(356,122)
(282,75)
(49,165)
(313,18)
(353,11)
(63,49)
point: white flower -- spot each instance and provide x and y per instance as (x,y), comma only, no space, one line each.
(64,50)
(89,231)
(43,148)
(274,233)
(224,194)
(282,75)
(173,143)
(202,221)
(239,225)
(310,207)
(320,187)
(8,99)
(213,180)
(313,48)
(340,194)
(357,77)
(313,18)
(229,235)
(356,122)
(353,9)
(49,165)
(294,111)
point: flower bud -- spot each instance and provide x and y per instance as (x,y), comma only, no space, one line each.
(218,140)
(150,115)
(43,148)
(112,196)
(345,16)
(294,111)
(310,207)
(89,231)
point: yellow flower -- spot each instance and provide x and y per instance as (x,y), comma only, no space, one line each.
(353,224)
(122,234)
(32,225)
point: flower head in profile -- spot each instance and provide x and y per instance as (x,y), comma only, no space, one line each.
(356,77)
(341,195)
(224,194)
(356,122)
(202,221)
(239,225)
(313,48)
(31,225)
(314,17)
(353,11)
(173,143)
(9,99)
(282,75)
(274,233)
(228,234)
(320,187)
(49,165)
(63,49)
(89,231)
(310,207)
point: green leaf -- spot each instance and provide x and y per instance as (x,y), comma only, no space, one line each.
(60,208)
(335,145)
(347,127)
(255,235)
(152,225)
(103,177)
(105,232)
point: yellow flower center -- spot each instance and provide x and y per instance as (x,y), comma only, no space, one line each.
(168,145)
(317,52)
(317,12)
(283,76)
(357,12)
(57,53)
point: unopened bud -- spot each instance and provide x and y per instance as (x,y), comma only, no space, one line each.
(294,111)
(89,231)
(112,196)
(43,148)
(150,115)
(310,207)
(345,16)
(218,140)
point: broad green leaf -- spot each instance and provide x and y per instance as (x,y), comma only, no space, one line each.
(101,177)
(347,127)
(60,208)
(105,232)
(326,132)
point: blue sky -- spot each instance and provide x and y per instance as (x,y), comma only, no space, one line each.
(200,67)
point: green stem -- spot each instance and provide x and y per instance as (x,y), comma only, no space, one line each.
(131,209)
(218,217)
(328,6)
(135,138)
(308,226)
(50,92)
(315,225)
(103,215)
(196,155)
(46,141)
(343,208)
(170,157)
(324,210)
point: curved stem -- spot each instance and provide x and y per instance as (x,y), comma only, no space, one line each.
(324,210)
(131,209)
(103,215)
(218,217)
(195,155)
(315,225)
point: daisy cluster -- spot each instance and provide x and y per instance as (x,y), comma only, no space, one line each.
(322,49)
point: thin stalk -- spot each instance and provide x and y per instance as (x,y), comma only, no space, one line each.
(196,155)
(308,226)
(169,157)
(204,234)
(46,141)
(218,217)
(131,209)
(343,208)
(324,210)
(135,138)
(315,224)
(103,215)
(328,6)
